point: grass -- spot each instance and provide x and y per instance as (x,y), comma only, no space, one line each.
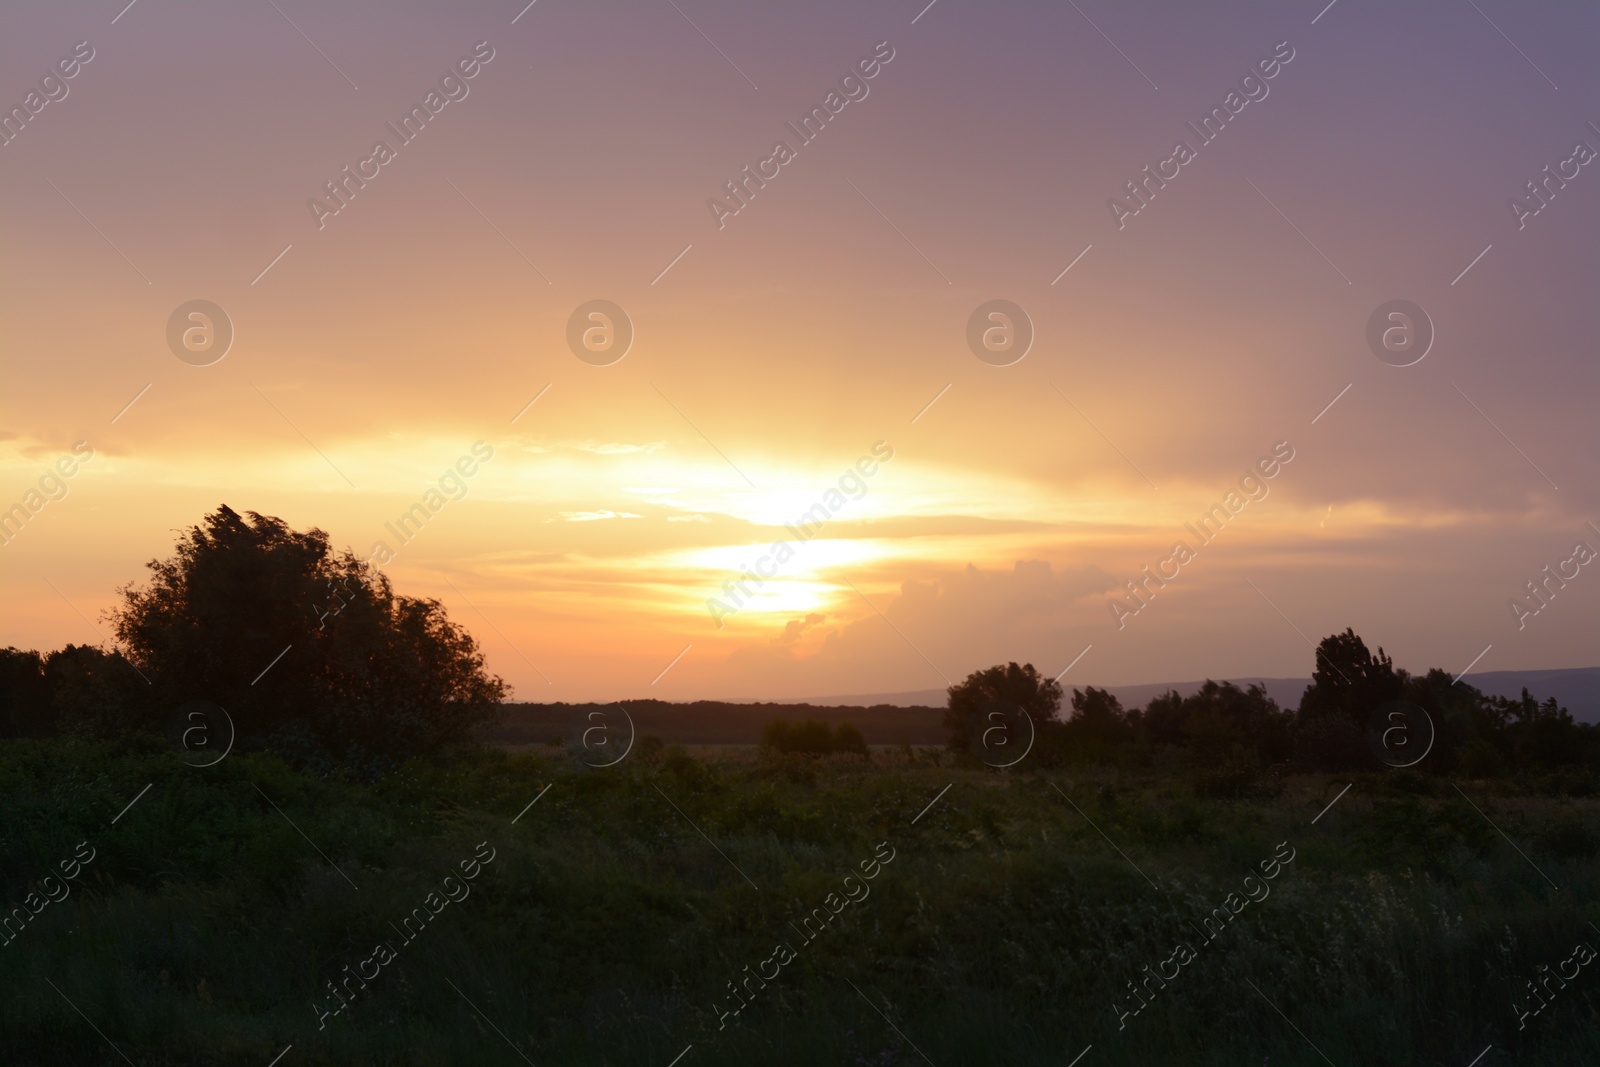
(617,909)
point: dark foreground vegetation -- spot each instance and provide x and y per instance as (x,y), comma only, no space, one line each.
(709,722)
(259,828)
(1005,926)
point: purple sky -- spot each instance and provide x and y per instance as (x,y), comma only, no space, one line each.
(823,317)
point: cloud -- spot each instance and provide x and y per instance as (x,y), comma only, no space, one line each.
(794,629)
(616,448)
(593,516)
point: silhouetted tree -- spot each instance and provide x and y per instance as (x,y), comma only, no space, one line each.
(309,651)
(1219,721)
(1544,735)
(1461,718)
(1160,722)
(1348,686)
(25,706)
(95,693)
(1349,680)
(1097,731)
(80,690)
(997,699)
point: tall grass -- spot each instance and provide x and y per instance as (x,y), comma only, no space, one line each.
(605,931)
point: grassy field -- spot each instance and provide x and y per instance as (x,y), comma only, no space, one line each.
(706,722)
(1006,916)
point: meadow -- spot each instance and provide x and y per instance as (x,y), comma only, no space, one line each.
(626,915)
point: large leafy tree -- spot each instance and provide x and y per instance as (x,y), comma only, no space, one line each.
(310,651)
(1349,686)
(996,700)
(1349,681)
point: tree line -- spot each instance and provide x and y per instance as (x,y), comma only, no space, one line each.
(1360,713)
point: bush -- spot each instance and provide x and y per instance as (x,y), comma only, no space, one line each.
(811,737)
(846,738)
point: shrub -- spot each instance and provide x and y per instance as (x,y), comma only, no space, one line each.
(811,737)
(846,738)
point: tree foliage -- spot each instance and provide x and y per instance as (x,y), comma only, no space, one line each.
(24,695)
(310,651)
(1008,702)
(1349,681)
(813,738)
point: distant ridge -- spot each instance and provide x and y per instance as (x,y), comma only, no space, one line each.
(1576,688)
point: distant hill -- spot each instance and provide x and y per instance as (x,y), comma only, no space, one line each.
(1577,689)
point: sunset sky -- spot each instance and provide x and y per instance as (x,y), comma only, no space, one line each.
(785,341)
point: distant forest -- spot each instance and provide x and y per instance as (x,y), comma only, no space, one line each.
(1360,713)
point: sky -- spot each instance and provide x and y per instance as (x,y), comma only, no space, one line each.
(818,342)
